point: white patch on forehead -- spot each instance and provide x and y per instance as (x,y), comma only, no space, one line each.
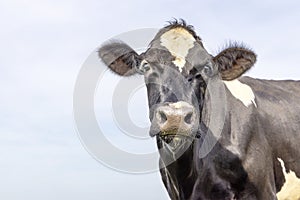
(178,41)
(241,91)
(291,187)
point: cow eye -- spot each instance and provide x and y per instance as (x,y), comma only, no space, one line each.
(146,66)
(208,69)
(143,67)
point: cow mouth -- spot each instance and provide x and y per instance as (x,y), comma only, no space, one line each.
(168,138)
(174,142)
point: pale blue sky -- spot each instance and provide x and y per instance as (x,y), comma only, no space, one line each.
(43,45)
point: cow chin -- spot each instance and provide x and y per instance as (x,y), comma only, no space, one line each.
(170,142)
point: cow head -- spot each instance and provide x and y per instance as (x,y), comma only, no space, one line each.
(176,68)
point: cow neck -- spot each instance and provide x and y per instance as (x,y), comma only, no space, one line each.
(213,114)
(181,175)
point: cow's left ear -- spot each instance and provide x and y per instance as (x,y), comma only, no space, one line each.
(234,61)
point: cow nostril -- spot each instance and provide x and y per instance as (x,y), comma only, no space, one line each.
(163,117)
(188,118)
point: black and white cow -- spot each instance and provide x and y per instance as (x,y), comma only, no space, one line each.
(221,136)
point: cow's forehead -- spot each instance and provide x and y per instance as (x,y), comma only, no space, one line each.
(178,41)
(178,46)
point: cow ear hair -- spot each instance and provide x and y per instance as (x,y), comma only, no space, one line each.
(120,58)
(234,61)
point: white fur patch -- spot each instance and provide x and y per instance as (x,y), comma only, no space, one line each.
(241,91)
(291,187)
(178,41)
(179,104)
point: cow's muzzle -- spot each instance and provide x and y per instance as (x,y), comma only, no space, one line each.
(175,121)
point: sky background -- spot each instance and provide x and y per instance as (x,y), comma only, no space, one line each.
(43,46)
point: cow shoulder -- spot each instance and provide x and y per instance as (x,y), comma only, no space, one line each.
(241,91)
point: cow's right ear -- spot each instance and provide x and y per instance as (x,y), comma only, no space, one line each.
(120,58)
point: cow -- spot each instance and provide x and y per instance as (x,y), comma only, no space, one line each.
(220,135)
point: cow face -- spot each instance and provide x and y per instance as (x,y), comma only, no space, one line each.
(176,68)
